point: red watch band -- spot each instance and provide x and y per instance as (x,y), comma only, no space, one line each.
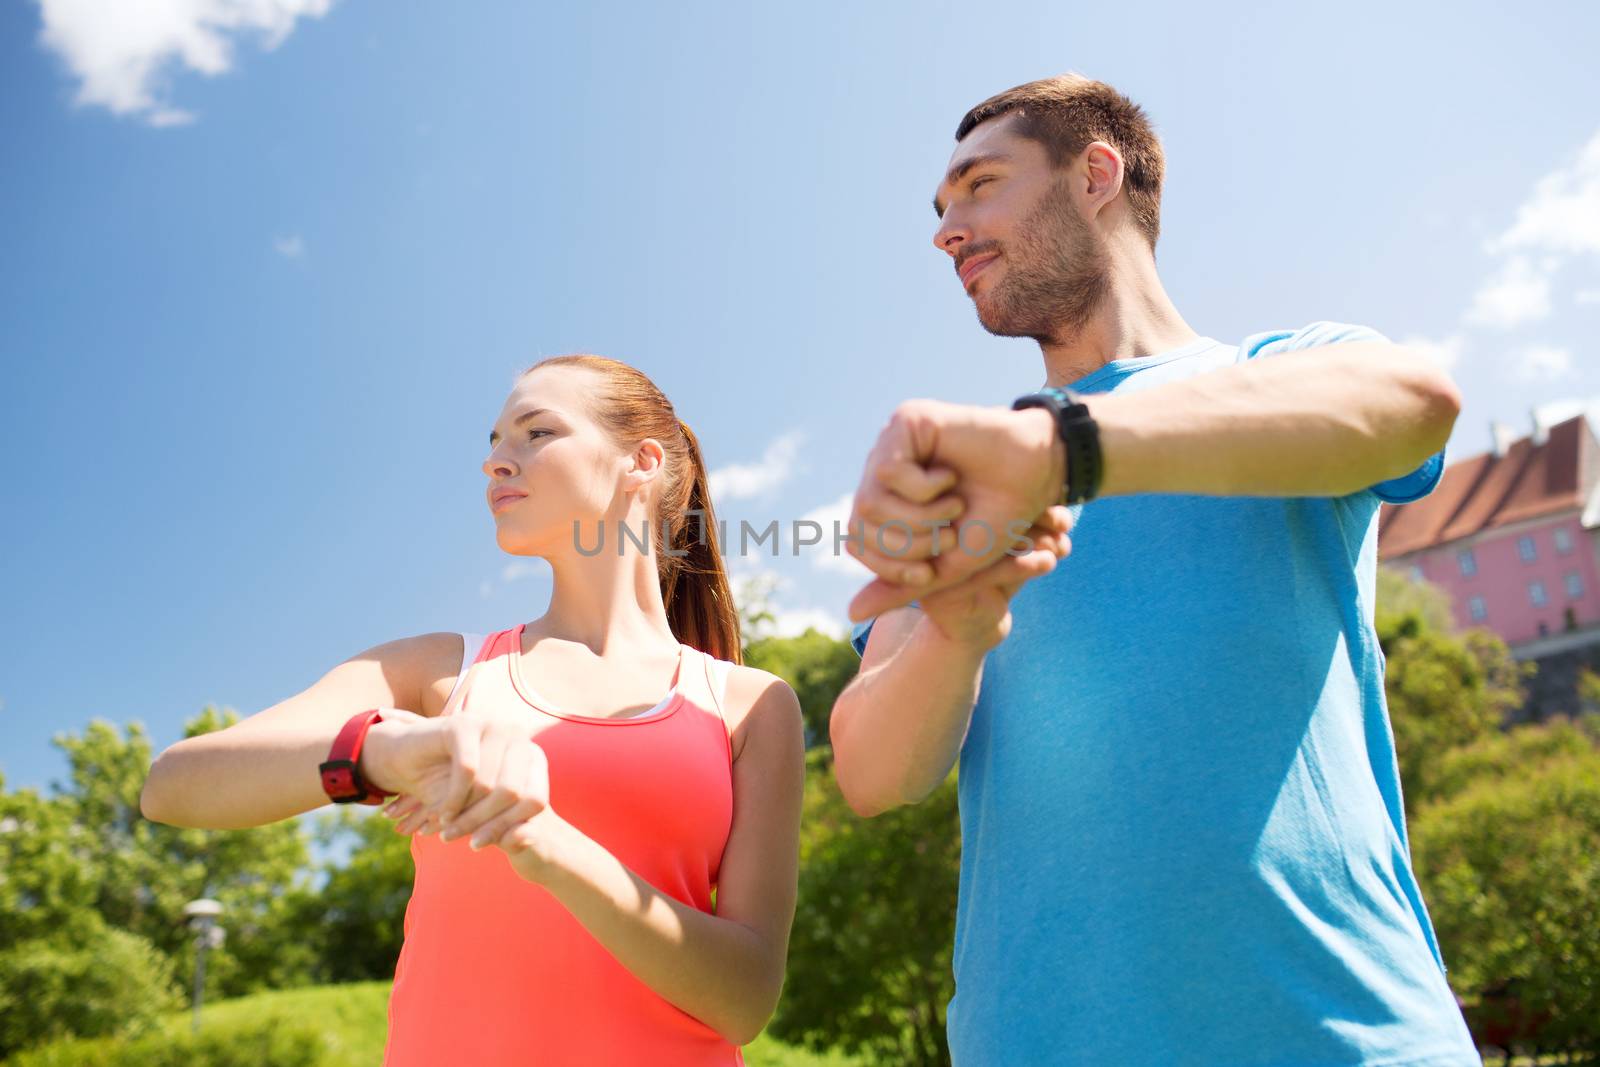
(341,775)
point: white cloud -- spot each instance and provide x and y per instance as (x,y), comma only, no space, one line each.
(514,571)
(794,623)
(291,247)
(1445,352)
(1558,411)
(524,568)
(823,557)
(755,591)
(121,51)
(1563,214)
(739,481)
(1558,221)
(1541,363)
(1519,293)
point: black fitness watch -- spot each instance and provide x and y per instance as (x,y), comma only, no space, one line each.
(1079,433)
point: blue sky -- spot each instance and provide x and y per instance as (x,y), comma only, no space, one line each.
(267,278)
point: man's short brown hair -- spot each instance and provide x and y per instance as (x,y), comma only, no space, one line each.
(1068,112)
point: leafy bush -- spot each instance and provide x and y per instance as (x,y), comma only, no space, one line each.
(266,1042)
(117,983)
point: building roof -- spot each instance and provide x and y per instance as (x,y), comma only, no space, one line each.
(1486,491)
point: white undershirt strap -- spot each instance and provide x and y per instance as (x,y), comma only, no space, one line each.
(470,644)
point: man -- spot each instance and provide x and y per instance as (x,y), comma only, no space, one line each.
(1182,831)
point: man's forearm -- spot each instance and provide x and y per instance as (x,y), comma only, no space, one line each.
(1323,422)
(897,729)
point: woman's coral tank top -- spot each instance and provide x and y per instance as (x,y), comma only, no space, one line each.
(494,971)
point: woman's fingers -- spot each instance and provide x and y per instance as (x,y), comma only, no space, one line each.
(401,806)
(510,770)
(535,795)
(463,742)
(406,811)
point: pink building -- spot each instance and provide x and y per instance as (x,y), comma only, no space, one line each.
(1512,536)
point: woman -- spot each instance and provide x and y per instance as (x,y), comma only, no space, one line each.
(613,877)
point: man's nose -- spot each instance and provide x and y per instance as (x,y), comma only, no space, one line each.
(950,234)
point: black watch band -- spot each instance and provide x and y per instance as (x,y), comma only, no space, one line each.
(1079,433)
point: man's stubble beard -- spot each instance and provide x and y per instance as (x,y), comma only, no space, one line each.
(1057,273)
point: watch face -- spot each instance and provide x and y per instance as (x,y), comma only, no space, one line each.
(339,781)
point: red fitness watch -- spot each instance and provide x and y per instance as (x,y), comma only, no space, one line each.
(341,778)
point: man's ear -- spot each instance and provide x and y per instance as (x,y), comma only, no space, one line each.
(647,463)
(1101,176)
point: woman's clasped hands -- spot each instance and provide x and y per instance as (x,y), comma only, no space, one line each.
(475,776)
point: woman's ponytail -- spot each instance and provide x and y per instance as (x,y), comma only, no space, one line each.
(694,583)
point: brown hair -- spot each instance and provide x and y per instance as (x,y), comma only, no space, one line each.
(1066,113)
(694,584)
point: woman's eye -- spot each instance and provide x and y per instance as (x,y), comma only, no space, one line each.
(532,433)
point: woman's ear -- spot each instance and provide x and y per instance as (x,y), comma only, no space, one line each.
(647,463)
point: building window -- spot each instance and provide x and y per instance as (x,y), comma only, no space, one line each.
(1479,612)
(1563,538)
(1469,562)
(1544,629)
(1574,585)
(1525,548)
(1536,594)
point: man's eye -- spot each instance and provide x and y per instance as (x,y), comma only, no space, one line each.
(979,181)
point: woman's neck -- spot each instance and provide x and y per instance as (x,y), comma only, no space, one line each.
(606,600)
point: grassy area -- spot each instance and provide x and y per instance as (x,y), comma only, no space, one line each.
(354,1021)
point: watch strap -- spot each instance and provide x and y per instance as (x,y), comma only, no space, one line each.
(341,771)
(1080,435)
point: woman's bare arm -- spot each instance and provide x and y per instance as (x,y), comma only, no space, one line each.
(725,969)
(264,768)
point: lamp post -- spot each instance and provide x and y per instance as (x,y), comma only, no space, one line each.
(202,915)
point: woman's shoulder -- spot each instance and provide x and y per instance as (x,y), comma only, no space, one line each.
(758,702)
(437,659)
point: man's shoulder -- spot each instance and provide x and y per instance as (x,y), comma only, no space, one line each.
(1312,335)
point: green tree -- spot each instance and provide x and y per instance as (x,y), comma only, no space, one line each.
(817,666)
(145,872)
(1444,689)
(48,886)
(1589,691)
(63,971)
(357,917)
(1504,825)
(869,960)
(1508,852)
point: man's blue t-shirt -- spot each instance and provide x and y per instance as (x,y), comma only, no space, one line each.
(1181,820)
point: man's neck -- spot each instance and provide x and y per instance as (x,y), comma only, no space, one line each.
(1136,318)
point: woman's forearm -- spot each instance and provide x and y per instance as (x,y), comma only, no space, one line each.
(267,767)
(721,972)
(231,780)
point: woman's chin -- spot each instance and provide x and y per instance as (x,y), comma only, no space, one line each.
(515,542)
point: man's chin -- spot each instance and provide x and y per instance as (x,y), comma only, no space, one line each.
(994,319)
